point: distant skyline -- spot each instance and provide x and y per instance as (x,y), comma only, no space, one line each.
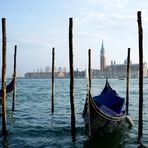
(38,26)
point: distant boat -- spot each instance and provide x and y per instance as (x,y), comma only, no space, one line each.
(9,88)
(121,78)
(104,113)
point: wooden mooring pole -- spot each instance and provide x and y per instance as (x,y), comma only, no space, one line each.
(140,31)
(4,129)
(73,127)
(52,103)
(89,91)
(127,83)
(14,77)
(89,68)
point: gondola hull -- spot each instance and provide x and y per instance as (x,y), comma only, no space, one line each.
(104,113)
(9,88)
(98,123)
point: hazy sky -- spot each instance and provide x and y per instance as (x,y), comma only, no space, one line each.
(36,26)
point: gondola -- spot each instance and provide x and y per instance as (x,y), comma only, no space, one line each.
(104,113)
(9,88)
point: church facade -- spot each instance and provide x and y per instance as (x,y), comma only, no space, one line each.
(118,70)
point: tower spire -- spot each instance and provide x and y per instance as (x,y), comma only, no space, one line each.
(102,48)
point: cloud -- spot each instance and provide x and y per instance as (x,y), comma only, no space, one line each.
(33,39)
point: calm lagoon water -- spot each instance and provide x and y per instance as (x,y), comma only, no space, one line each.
(33,125)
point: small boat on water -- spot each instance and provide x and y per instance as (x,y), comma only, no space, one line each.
(121,79)
(9,88)
(104,113)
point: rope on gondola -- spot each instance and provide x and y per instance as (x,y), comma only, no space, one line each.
(105,116)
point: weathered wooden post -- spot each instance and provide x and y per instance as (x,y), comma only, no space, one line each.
(52,103)
(89,68)
(127,83)
(73,127)
(14,78)
(4,129)
(89,91)
(140,31)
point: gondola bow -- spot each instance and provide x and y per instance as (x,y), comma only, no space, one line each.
(9,88)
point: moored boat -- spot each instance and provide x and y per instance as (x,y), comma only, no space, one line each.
(9,88)
(104,113)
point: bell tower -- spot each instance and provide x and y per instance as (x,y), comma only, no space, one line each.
(102,59)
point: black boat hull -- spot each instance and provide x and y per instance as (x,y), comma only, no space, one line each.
(99,124)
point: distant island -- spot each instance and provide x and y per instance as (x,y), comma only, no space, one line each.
(111,71)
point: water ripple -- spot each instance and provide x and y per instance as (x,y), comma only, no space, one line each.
(33,125)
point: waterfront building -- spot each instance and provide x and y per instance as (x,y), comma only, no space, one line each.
(118,70)
(113,70)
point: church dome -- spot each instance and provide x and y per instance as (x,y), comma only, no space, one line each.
(125,62)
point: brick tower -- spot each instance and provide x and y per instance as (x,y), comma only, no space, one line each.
(102,59)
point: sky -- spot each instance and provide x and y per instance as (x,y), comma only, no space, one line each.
(36,26)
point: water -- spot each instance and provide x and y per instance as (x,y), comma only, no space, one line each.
(33,125)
